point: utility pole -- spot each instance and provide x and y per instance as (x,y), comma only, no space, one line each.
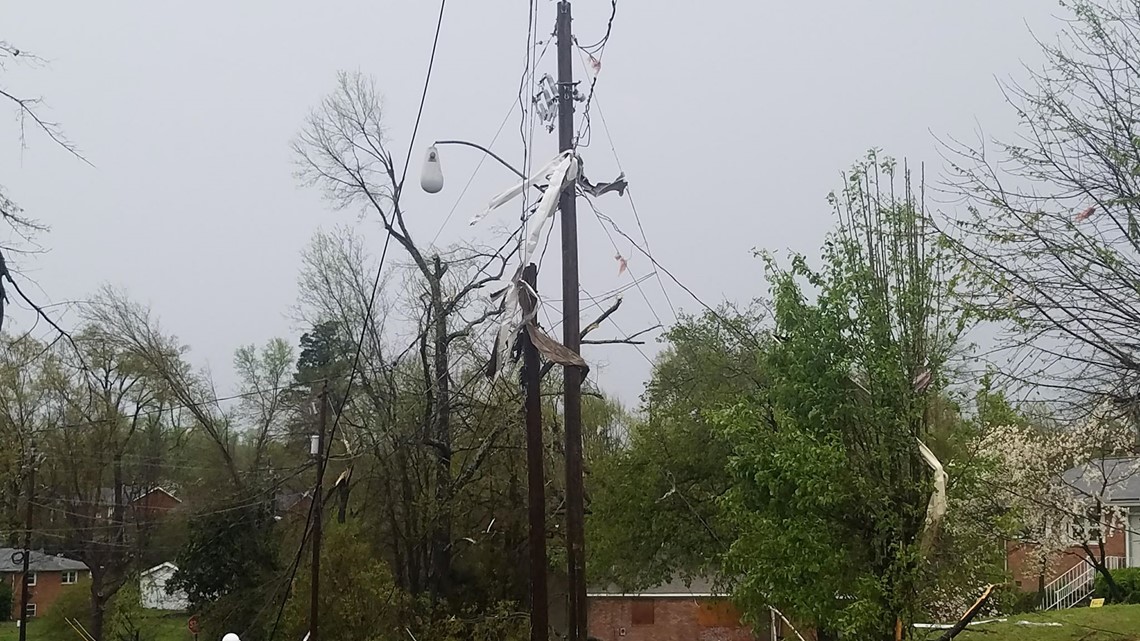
(572,339)
(535,478)
(27,556)
(317,449)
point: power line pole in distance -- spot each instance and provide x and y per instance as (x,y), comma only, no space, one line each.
(317,449)
(27,552)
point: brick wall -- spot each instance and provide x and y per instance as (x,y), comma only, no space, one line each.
(1022,566)
(48,588)
(667,619)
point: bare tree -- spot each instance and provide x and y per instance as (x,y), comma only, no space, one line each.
(343,150)
(1051,230)
(24,228)
(131,327)
(265,390)
(398,441)
(104,404)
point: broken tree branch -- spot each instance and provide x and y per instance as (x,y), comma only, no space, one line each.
(628,340)
(969,616)
(586,330)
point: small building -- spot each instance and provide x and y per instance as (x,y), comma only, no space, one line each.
(670,612)
(153,593)
(49,576)
(144,503)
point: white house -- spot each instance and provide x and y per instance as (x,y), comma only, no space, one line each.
(152,588)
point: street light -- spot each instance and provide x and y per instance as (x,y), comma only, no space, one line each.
(431,178)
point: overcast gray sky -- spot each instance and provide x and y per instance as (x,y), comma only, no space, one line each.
(732,120)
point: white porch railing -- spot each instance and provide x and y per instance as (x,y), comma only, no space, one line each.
(1076,585)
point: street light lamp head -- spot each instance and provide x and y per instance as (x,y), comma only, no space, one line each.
(231,637)
(431,179)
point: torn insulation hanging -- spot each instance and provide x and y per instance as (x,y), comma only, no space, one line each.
(558,174)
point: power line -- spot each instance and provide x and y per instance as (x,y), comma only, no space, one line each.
(216,400)
(636,280)
(633,202)
(601,44)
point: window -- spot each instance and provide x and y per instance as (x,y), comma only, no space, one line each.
(718,614)
(31,610)
(641,612)
(69,577)
(30,579)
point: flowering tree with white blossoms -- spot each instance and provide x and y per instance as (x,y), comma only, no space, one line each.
(1058,485)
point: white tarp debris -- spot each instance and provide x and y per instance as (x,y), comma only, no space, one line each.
(947,626)
(544,176)
(557,174)
(936,509)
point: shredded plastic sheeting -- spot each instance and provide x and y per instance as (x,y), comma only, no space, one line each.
(947,626)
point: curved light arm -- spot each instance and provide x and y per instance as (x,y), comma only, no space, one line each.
(484,150)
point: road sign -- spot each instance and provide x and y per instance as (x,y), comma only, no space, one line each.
(192,625)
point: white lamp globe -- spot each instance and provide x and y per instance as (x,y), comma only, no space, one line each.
(231,637)
(431,179)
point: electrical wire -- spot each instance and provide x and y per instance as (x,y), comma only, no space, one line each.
(601,44)
(213,401)
(631,273)
(526,86)
(467,185)
(633,202)
(712,311)
(596,52)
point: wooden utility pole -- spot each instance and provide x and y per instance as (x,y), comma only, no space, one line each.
(572,339)
(318,513)
(535,462)
(27,553)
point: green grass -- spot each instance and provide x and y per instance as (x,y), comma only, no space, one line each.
(1110,623)
(157,626)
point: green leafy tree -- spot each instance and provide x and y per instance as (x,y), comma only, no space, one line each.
(359,597)
(829,492)
(229,564)
(654,511)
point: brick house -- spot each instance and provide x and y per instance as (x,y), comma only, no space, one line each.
(48,577)
(1117,481)
(673,612)
(144,503)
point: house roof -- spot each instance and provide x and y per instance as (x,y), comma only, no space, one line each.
(10,562)
(132,494)
(1116,479)
(677,589)
(161,566)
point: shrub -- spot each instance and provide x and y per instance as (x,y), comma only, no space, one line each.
(1127,579)
(71,604)
(5,601)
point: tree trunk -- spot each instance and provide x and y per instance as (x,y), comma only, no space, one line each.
(98,605)
(441,434)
